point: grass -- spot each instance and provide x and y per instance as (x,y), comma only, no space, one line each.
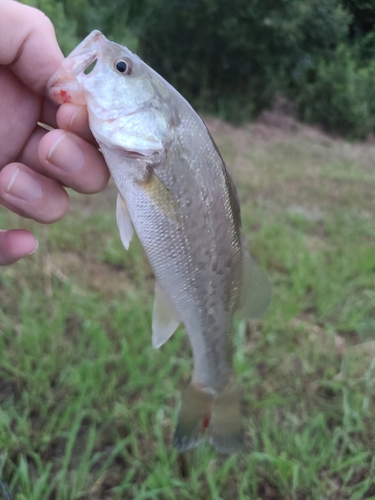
(87,407)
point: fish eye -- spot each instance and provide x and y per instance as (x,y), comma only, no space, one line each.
(124,67)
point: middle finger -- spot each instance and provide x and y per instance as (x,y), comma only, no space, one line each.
(73,161)
(32,195)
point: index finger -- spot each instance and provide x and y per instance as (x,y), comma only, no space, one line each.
(28,44)
(75,119)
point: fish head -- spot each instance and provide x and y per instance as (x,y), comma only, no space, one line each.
(121,92)
(104,71)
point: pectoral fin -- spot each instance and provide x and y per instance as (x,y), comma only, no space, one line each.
(256,289)
(124,223)
(159,195)
(165,319)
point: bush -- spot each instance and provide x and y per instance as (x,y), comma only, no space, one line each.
(341,95)
(232,57)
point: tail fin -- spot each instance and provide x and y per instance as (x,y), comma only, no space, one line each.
(217,414)
(225,431)
(193,418)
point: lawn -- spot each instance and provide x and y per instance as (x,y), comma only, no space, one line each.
(88,407)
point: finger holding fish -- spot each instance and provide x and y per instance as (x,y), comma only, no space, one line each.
(70,159)
(33,187)
(29,55)
(74,118)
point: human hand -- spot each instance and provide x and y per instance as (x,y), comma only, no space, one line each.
(36,164)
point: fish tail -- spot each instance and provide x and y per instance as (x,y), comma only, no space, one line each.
(225,432)
(193,418)
(215,414)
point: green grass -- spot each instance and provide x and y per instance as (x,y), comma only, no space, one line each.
(87,407)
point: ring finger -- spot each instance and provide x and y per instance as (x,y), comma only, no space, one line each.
(31,194)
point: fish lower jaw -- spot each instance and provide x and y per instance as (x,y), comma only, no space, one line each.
(122,144)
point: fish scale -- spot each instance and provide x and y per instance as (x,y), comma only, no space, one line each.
(176,191)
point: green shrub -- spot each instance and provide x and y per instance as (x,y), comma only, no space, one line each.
(232,57)
(341,96)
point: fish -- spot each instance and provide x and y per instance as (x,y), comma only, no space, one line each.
(176,192)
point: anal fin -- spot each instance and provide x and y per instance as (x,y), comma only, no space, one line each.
(165,319)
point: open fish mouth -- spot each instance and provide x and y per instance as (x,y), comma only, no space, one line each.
(86,53)
(66,83)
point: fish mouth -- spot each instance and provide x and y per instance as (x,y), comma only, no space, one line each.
(85,54)
(65,84)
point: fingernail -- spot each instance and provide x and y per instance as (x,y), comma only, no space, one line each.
(66,155)
(74,116)
(35,248)
(23,186)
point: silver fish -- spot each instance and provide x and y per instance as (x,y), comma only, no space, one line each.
(177,193)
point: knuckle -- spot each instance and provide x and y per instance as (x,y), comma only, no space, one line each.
(41,21)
